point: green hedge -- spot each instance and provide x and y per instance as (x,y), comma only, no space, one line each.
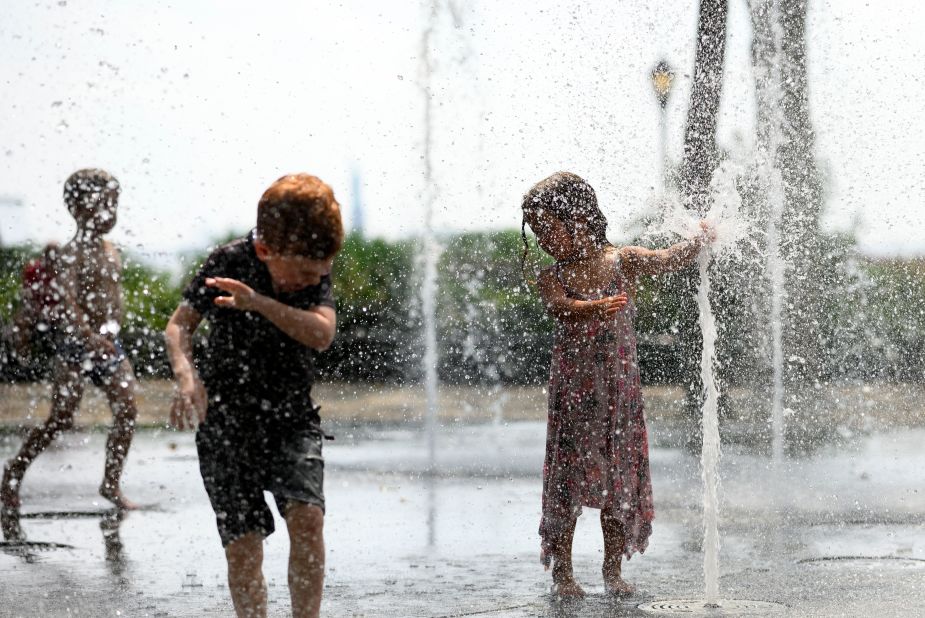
(492,328)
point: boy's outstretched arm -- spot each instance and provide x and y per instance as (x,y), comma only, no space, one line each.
(638,261)
(190,400)
(313,328)
(562,307)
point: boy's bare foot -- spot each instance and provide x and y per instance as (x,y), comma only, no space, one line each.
(9,489)
(615,584)
(564,584)
(115,495)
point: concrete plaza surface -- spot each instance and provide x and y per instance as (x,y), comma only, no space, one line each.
(838,532)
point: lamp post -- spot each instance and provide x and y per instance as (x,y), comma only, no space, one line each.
(662,76)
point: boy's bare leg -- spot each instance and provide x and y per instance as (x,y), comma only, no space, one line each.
(306,558)
(245,576)
(614,543)
(120,390)
(67,390)
(562,575)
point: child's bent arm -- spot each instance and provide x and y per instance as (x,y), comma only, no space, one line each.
(314,327)
(562,307)
(190,401)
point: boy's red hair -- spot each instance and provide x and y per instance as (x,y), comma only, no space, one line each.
(298,215)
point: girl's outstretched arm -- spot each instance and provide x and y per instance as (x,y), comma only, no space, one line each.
(560,306)
(638,261)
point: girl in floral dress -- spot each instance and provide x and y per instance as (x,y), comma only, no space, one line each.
(597,452)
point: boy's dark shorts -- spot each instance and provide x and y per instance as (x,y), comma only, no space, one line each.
(237,469)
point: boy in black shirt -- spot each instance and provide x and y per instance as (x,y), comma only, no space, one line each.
(269,304)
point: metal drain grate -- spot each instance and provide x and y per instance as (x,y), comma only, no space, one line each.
(725,607)
(866,562)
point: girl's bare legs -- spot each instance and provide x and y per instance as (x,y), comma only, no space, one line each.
(562,575)
(614,544)
(120,391)
(245,576)
(67,391)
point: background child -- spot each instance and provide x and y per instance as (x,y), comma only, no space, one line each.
(269,304)
(596,443)
(85,312)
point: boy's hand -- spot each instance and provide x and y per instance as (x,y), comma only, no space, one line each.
(188,409)
(242,296)
(608,306)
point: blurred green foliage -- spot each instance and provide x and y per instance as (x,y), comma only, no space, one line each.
(492,327)
(150,298)
(12,260)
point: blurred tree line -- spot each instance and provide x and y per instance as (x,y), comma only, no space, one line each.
(493,329)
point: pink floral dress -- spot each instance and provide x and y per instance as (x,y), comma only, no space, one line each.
(597,448)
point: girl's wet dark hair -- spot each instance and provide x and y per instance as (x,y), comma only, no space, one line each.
(571,200)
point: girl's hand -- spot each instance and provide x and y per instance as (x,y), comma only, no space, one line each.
(707,233)
(610,305)
(242,296)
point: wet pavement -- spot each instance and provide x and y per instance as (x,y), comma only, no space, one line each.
(840,532)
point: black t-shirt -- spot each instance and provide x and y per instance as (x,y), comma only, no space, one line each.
(249,366)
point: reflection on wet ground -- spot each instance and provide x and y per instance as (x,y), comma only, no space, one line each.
(840,532)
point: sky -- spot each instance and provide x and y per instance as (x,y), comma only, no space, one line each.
(198,106)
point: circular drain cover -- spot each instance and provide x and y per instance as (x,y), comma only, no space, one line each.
(725,607)
(866,562)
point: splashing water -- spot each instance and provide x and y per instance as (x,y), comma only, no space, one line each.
(724,217)
(710,454)
(770,94)
(431,252)
(431,248)
(731,229)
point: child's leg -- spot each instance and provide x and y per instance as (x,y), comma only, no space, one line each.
(245,576)
(120,390)
(67,391)
(614,544)
(562,575)
(306,558)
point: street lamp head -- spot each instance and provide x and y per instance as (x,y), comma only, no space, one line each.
(662,75)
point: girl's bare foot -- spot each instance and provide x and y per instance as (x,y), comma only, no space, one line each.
(615,584)
(564,584)
(115,495)
(9,489)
